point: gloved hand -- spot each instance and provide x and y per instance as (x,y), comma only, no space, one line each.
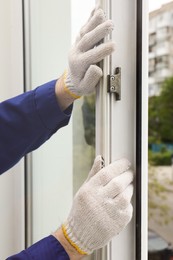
(101,208)
(83,74)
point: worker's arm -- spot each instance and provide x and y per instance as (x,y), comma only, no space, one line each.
(27,121)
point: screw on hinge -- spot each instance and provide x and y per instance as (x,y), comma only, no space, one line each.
(114,84)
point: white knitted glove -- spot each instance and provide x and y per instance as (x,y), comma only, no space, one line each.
(83,74)
(101,208)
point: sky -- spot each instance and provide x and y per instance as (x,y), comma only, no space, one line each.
(155,4)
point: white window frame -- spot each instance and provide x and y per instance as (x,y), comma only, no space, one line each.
(138,229)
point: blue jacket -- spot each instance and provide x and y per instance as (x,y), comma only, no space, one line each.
(26,122)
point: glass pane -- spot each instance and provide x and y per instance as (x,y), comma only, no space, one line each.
(83,139)
(83,113)
(52,175)
(68,156)
(160,147)
(83,142)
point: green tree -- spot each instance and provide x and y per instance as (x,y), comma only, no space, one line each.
(161,114)
(154,120)
(166,111)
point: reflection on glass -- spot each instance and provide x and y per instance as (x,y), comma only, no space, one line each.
(83,141)
(47,45)
(160,235)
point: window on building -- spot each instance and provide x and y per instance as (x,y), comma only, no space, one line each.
(163,33)
(162,62)
(152,49)
(152,39)
(152,63)
(160,18)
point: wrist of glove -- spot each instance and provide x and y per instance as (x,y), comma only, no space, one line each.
(101,208)
(83,73)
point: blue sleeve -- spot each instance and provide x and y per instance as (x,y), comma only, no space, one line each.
(27,121)
(48,248)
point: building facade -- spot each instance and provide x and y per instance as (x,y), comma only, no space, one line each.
(160,47)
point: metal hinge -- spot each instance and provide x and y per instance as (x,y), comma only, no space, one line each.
(114,83)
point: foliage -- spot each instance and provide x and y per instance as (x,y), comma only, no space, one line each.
(161,114)
(160,158)
(154,120)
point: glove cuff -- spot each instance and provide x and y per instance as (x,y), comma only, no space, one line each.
(73,240)
(66,88)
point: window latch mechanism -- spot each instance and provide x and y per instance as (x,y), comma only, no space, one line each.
(114,83)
